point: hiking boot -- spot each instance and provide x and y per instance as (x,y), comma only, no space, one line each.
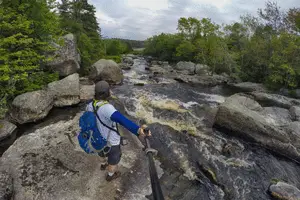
(103,166)
(115,176)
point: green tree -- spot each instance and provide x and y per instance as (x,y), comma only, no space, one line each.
(26,30)
(273,17)
(285,62)
(213,52)
(22,51)
(192,28)
(44,21)
(261,49)
(116,47)
(185,51)
(163,46)
(293,20)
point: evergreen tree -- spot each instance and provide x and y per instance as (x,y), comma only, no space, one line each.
(24,40)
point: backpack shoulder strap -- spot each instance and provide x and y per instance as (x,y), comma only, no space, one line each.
(95,108)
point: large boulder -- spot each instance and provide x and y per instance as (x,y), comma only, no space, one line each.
(7,134)
(66,58)
(31,106)
(201,69)
(186,66)
(284,191)
(274,100)
(249,87)
(242,116)
(106,70)
(157,70)
(208,81)
(128,60)
(277,116)
(48,164)
(65,91)
(87,89)
(166,66)
(295,113)
(6,129)
(294,131)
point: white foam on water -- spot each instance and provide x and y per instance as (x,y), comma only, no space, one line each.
(188,173)
(240,186)
(203,147)
(130,74)
(237,162)
(213,98)
(206,142)
(145,110)
(189,104)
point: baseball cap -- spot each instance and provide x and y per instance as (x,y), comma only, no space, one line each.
(101,87)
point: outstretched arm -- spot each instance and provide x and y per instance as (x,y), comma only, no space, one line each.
(121,119)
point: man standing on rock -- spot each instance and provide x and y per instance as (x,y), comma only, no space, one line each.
(108,118)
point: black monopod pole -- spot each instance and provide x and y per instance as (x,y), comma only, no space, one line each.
(156,189)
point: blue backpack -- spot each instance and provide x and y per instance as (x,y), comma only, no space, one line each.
(89,137)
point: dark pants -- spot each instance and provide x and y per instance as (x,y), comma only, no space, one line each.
(114,155)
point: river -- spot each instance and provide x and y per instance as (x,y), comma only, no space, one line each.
(198,161)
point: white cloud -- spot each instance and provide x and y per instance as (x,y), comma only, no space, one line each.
(140,19)
(148,4)
(217,3)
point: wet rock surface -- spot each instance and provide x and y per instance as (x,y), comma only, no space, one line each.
(244,117)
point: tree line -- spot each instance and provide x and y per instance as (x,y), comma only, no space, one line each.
(264,49)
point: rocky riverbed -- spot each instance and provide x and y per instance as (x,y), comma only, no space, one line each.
(212,143)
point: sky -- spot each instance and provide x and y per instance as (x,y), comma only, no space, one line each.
(141,19)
